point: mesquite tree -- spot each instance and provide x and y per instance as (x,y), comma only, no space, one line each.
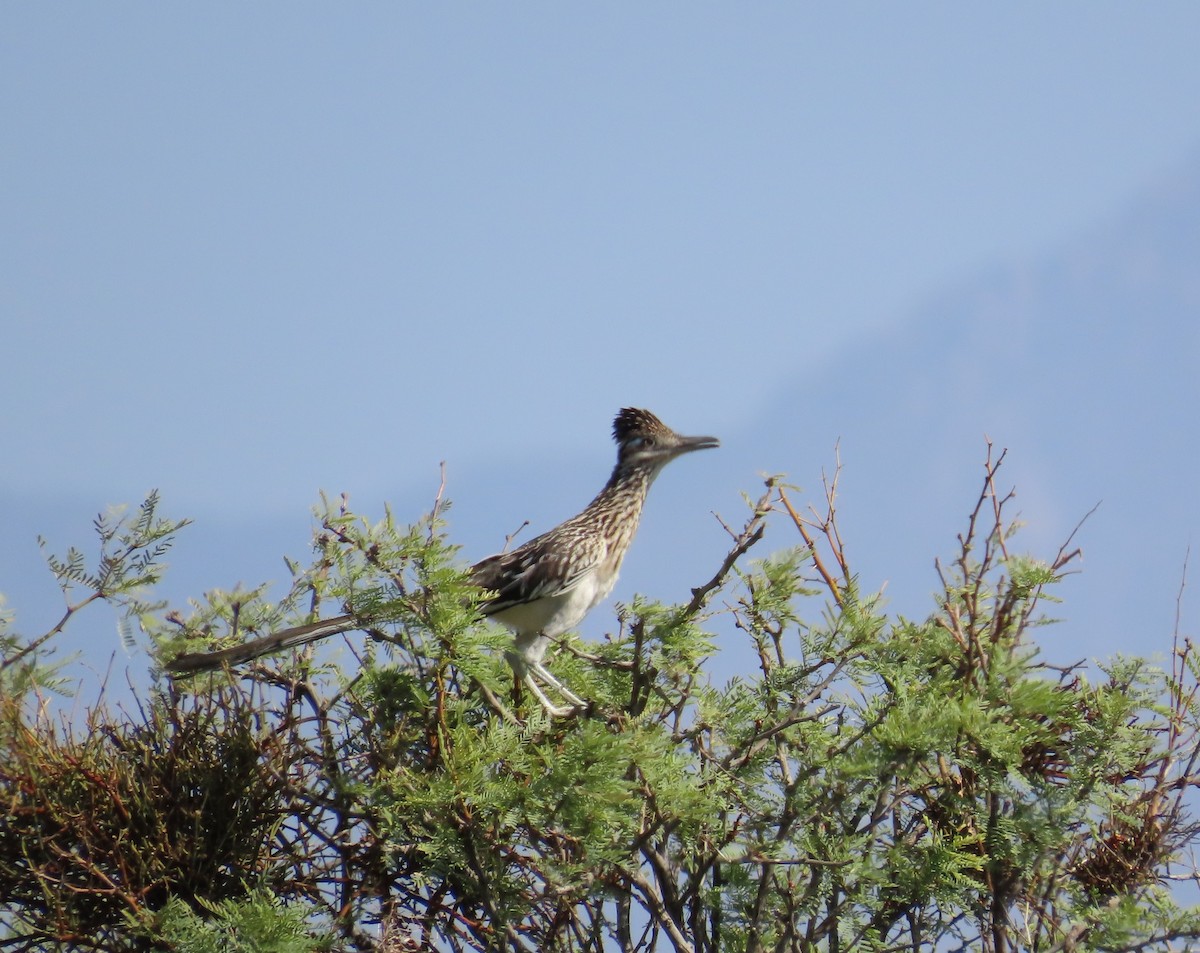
(877,783)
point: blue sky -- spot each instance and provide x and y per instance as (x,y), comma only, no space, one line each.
(256,250)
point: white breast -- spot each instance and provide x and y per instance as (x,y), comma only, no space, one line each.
(535,623)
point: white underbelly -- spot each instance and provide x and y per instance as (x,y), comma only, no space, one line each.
(551,616)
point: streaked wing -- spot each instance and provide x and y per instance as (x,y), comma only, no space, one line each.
(547,565)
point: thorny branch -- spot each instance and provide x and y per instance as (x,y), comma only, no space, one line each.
(808,807)
(827,526)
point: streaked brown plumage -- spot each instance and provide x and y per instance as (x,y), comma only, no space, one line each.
(546,586)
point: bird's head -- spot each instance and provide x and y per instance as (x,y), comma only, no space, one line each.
(645,441)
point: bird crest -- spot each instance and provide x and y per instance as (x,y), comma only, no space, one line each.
(633,422)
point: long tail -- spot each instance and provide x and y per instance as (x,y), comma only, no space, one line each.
(275,642)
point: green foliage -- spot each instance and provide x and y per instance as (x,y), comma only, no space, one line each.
(23,664)
(257,923)
(128,566)
(114,820)
(876,783)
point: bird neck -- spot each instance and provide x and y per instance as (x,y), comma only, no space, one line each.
(625,492)
(617,510)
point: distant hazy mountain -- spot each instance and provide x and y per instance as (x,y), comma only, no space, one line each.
(1085,365)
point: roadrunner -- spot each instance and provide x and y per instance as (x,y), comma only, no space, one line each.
(544,588)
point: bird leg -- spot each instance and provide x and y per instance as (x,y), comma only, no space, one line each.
(553,710)
(526,668)
(544,673)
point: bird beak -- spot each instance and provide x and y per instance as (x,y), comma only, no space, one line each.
(688,444)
